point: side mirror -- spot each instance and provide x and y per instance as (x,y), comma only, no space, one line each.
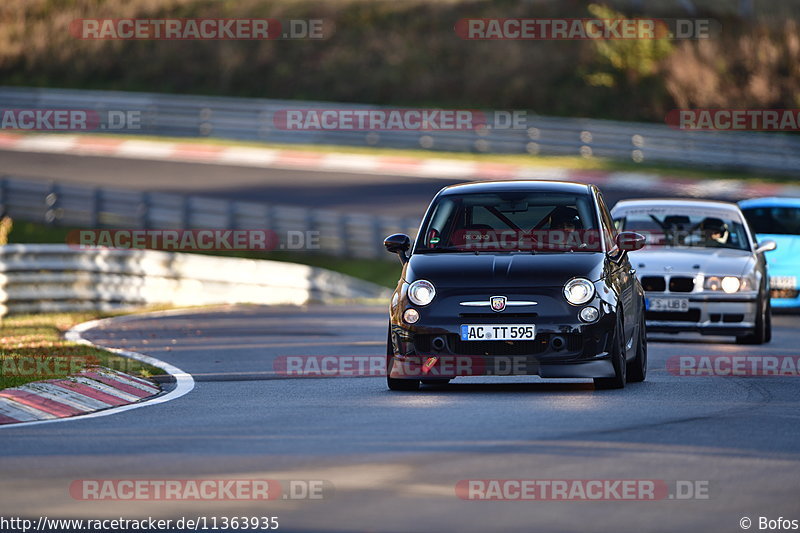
(630,241)
(766,246)
(399,244)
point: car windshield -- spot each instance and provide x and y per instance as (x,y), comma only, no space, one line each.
(775,220)
(511,222)
(685,228)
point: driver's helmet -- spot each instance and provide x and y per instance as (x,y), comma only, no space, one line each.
(714,229)
(564,217)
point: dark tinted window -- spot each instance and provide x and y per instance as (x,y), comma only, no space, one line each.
(776,220)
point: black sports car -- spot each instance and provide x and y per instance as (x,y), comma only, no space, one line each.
(517,278)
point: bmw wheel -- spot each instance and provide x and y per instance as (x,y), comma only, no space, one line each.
(759,335)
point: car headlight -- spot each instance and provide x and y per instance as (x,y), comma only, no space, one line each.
(578,291)
(749,283)
(712,283)
(728,284)
(421,292)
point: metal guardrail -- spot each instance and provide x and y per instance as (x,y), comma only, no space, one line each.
(252,119)
(80,206)
(48,277)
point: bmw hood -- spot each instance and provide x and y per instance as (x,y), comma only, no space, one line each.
(503,270)
(709,261)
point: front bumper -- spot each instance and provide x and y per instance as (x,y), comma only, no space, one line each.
(785,298)
(708,314)
(563,347)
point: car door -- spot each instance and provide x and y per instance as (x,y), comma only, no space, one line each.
(622,274)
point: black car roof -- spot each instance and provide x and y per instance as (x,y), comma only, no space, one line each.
(516,185)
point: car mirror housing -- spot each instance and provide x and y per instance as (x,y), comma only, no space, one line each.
(766,246)
(630,241)
(399,244)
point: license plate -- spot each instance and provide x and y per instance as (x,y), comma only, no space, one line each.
(498,332)
(783,282)
(675,305)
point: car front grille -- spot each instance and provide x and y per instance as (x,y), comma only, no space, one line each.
(501,318)
(654,283)
(659,284)
(573,343)
(692,315)
(681,284)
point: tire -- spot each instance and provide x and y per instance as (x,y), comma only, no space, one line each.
(436,382)
(392,383)
(759,335)
(618,358)
(637,369)
(768,332)
(402,384)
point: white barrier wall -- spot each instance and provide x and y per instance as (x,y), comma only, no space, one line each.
(55,277)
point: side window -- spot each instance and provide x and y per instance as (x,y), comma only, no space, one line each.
(609,228)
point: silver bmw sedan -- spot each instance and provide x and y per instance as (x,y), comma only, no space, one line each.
(701,268)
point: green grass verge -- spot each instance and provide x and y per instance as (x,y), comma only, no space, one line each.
(385,273)
(32,348)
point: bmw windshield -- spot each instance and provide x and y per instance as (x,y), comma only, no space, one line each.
(511,222)
(685,228)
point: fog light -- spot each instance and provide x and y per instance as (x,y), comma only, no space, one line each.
(411,316)
(589,314)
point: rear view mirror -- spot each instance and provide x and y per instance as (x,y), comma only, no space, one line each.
(399,244)
(630,241)
(766,246)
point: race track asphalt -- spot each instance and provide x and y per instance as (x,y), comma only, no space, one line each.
(391,461)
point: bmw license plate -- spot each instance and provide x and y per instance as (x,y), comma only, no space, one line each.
(498,332)
(675,305)
(783,282)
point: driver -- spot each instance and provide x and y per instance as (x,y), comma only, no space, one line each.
(715,231)
(565,221)
(565,218)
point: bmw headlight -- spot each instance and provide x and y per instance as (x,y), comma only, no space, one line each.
(713,283)
(578,291)
(730,284)
(421,292)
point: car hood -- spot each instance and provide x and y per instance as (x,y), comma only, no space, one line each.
(787,254)
(502,270)
(710,261)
